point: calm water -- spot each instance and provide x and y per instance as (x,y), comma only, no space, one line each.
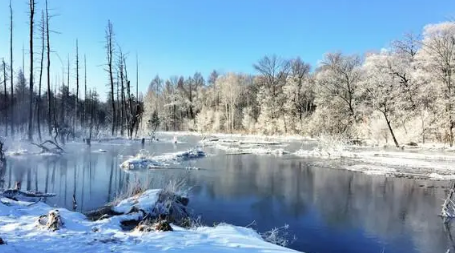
(327,209)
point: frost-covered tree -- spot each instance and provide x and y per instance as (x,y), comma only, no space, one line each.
(299,95)
(381,88)
(273,74)
(337,82)
(436,61)
(231,87)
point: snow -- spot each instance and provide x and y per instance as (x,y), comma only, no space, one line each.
(241,146)
(19,228)
(254,137)
(145,201)
(324,153)
(409,163)
(144,160)
(371,169)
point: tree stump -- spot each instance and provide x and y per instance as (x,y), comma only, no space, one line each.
(52,221)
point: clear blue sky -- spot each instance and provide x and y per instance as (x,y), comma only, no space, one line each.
(180,37)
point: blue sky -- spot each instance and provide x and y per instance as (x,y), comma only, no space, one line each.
(175,37)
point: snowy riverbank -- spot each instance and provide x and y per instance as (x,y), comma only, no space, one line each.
(423,163)
(20,229)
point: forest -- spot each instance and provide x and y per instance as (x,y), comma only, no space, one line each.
(403,93)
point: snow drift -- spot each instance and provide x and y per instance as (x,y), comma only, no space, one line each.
(22,232)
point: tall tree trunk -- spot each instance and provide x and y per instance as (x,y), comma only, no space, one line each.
(129,112)
(48,69)
(85,91)
(63,106)
(92,112)
(11,70)
(30,120)
(119,109)
(122,95)
(6,98)
(110,52)
(137,93)
(77,83)
(38,116)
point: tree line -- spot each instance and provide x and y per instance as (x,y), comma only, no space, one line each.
(400,94)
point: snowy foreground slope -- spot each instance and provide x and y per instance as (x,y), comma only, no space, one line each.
(19,228)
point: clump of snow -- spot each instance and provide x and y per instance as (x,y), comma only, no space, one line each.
(145,201)
(145,160)
(18,224)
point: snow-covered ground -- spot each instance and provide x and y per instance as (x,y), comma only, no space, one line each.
(399,163)
(20,230)
(237,136)
(245,145)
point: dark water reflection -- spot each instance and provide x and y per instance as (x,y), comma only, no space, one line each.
(329,210)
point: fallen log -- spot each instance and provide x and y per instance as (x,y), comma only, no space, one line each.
(18,195)
(56,149)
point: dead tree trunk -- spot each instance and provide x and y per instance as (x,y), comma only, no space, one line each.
(118,101)
(130,111)
(30,120)
(110,53)
(77,84)
(67,97)
(49,96)
(38,116)
(85,92)
(122,93)
(6,97)
(137,79)
(11,70)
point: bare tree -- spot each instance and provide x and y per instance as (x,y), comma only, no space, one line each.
(77,82)
(38,106)
(11,69)
(48,69)
(30,120)
(85,90)
(109,56)
(122,90)
(409,45)
(6,98)
(137,78)
(67,97)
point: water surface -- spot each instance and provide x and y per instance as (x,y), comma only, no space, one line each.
(328,209)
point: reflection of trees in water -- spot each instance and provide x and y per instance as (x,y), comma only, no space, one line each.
(389,208)
(2,173)
(110,164)
(19,168)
